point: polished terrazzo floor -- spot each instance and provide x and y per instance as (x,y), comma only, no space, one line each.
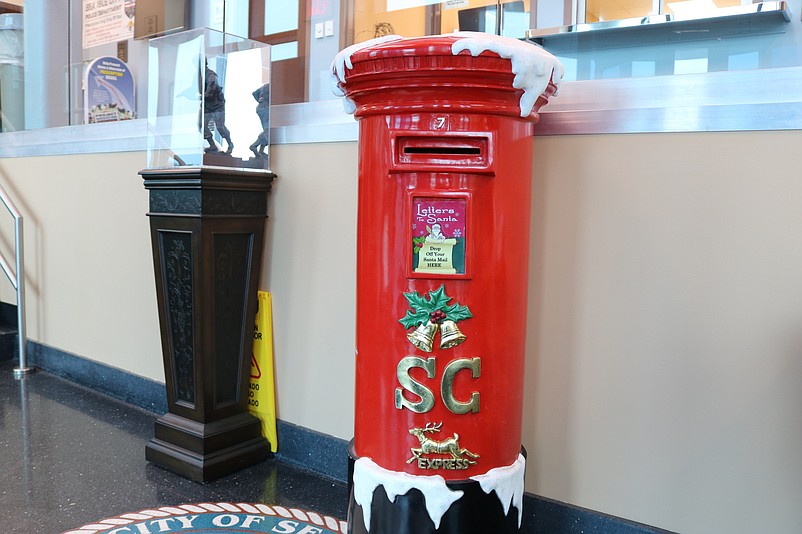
(71,456)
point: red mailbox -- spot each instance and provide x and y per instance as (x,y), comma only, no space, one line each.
(445,172)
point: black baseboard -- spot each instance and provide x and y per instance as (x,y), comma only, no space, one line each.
(116,383)
(547,516)
(310,450)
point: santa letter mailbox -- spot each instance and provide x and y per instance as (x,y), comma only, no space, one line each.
(445,171)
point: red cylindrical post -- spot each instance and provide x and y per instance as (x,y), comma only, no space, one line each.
(445,165)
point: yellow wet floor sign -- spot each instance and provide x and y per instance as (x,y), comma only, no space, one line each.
(261,392)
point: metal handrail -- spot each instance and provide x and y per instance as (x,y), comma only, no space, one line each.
(18,281)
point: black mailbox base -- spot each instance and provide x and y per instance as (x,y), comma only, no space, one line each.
(393,512)
(475,513)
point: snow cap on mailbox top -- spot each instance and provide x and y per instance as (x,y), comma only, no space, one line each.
(535,71)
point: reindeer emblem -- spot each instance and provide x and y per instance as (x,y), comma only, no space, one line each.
(430,446)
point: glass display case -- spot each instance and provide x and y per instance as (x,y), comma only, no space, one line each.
(208,101)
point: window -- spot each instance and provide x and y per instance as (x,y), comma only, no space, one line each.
(12,105)
(410,18)
(279,23)
(605,10)
(45,88)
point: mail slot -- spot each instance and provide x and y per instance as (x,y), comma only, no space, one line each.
(433,152)
(445,174)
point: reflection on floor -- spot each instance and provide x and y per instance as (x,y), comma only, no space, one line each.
(71,456)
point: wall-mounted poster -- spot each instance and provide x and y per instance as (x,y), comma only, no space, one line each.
(107,21)
(108,91)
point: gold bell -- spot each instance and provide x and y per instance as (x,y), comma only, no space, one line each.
(423,336)
(450,335)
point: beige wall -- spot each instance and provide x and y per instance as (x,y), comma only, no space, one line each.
(90,283)
(664,378)
(89,269)
(665,335)
(312,239)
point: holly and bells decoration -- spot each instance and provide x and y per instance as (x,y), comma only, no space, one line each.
(431,313)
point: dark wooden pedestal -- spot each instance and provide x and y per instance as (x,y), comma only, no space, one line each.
(207,230)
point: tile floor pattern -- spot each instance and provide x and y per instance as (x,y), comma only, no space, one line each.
(70,456)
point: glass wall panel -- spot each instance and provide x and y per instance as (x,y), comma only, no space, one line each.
(372,19)
(740,47)
(605,10)
(481,15)
(413,18)
(601,10)
(48,88)
(691,9)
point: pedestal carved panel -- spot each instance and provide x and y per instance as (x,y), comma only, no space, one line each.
(207,232)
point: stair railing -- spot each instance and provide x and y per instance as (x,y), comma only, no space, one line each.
(18,281)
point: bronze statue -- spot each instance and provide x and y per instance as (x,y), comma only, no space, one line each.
(214,109)
(262,96)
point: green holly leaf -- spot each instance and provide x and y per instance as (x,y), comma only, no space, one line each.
(416,301)
(458,312)
(417,243)
(414,318)
(438,298)
(435,300)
